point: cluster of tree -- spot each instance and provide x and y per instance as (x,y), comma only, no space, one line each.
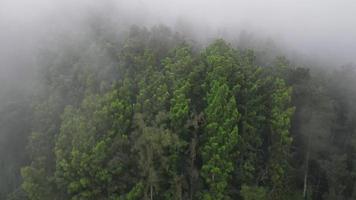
(153,116)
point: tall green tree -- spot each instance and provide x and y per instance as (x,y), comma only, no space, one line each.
(93,149)
(220,140)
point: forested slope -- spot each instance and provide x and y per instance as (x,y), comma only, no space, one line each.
(155,116)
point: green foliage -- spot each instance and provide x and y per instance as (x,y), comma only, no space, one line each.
(91,152)
(35,184)
(279,119)
(170,118)
(253,193)
(179,111)
(151,117)
(220,139)
(156,148)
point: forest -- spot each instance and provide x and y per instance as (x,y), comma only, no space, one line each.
(155,116)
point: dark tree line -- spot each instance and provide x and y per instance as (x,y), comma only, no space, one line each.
(154,116)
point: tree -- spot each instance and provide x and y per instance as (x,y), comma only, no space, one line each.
(220,139)
(93,149)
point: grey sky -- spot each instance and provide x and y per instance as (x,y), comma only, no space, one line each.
(322,27)
(325,28)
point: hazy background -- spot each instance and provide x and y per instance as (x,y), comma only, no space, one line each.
(323,29)
(35,34)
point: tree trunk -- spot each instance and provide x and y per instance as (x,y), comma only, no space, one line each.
(193,155)
(306,171)
(151,191)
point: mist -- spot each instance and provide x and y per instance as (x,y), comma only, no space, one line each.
(323,29)
(64,61)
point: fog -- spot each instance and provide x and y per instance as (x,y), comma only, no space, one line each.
(319,30)
(326,29)
(36,35)
(323,30)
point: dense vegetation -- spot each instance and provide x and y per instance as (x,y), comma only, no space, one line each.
(154,116)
